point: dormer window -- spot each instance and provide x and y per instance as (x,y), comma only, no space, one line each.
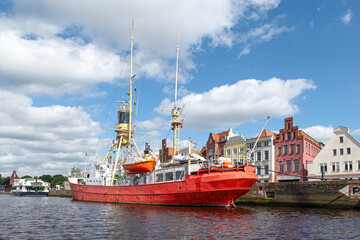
(222,138)
(210,140)
(288,126)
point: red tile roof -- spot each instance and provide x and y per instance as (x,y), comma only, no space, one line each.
(266,133)
(218,136)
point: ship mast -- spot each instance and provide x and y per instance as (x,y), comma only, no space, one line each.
(175,114)
(124,133)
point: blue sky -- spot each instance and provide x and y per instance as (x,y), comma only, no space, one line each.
(60,72)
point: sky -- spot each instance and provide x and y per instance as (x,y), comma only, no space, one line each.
(62,67)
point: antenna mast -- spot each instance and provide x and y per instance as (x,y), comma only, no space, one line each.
(176,122)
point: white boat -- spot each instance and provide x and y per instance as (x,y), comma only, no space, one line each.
(30,187)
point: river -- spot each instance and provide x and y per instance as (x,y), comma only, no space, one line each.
(63,218)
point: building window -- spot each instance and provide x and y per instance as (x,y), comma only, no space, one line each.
(325,166)
(341,139)
(348,166)
(210,140)
(222,138)
(294,135)
(288,166)
(348,150)
(241,150)
(211,152)
(235,150)
(259,156)
(266,143)
(258,144)
(285,149)
(281,166)
(334,152)
(288,126)
(241,161)
(266,167)
(279,151)
(296,165)
(291,149)
(283,136)
(341,151)
(288,135)
(258,171)
(266,155)
(335,166)
(228,152)
(298,148)
(358,165)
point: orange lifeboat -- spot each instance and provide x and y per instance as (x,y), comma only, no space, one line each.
(228,165)
(140,167)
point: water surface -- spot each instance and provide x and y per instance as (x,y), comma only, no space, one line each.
(63,218)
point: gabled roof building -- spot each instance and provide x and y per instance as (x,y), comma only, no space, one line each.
(216,142)
(340,158)
(263,157)
(294,149)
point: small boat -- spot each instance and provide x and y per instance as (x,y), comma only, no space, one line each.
(30,187)
(140,167)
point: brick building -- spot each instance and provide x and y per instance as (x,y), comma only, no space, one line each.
(165,153)
(216,142)
(10,181)
(293,149)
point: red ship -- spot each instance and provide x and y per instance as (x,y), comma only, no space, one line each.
(205,187)
(193,181)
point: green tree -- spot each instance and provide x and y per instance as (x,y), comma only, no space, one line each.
(58,180)
(26,176)
(46,178)
(1,180)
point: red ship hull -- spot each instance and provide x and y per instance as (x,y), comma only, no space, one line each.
(203,188)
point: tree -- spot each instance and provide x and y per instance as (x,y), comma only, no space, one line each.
(58,180)
(46,178)
(1,180)
(26,176)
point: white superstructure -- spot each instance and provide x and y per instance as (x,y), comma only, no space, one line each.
(29,186)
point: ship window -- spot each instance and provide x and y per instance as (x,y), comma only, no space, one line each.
(178,175)
(169,176)
(159,177)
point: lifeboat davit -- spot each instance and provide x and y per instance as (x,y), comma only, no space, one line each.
(140,167)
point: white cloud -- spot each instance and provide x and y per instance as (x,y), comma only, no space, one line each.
(356,132)
(52,66)
(39,140)
(264,33)
(48,64)
(346,19)
(149,125)
(229,105)
(320,133)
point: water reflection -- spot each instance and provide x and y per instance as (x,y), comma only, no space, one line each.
(63,218)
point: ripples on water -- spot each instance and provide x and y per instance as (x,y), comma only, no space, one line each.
(63,218)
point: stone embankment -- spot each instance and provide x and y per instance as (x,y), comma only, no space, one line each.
(60,193)
(321,194)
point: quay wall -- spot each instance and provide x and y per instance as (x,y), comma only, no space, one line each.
(321,194)
(60,193)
